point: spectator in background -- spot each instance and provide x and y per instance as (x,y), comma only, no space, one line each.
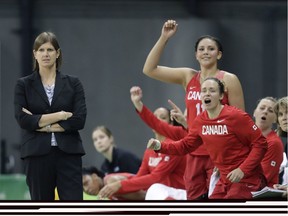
(92,180)
(117,160)
(50,108)
(265,117)
(281,110)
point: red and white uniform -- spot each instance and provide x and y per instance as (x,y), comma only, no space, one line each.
(232,141)
(273,159)
(199,166)
(156,168)
(162,127)
(162,192)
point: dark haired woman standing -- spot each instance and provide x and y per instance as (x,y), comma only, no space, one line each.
(50,108)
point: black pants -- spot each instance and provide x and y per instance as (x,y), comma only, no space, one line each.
(56,169)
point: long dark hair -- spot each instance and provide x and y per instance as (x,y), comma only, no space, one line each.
(217,41)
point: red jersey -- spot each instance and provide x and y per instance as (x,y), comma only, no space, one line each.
(194,104)
(273,159)
(162,127)
(156,168)
(232,140)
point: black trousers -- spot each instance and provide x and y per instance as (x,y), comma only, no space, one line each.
(56,169)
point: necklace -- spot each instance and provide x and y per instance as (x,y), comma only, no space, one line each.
(49,89)
(48,80)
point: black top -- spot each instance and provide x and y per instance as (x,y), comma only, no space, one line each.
(122,161)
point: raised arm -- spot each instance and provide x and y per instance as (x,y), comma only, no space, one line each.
(165,74)
(136,96)
(161,127)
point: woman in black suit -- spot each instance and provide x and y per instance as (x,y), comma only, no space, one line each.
(50,108)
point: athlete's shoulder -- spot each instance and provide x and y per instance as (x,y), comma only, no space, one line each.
(273,136)
(229,77)
(191,73)
(232,110)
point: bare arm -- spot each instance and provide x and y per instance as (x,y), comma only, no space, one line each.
(235,92)
(162,73)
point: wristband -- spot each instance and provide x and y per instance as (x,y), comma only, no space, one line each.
(157,145)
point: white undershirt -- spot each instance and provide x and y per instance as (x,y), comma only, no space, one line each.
(50,92)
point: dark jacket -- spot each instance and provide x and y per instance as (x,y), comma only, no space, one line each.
(68,96)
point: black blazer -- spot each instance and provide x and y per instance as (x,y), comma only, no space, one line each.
(68,96)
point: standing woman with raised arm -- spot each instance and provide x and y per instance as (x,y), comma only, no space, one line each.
(208,50)
(50,108)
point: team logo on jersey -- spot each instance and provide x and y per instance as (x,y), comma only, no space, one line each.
(220,120)
(214,129)
(154,161)
(254,127)
(273,163)
(116,169)
(193,95)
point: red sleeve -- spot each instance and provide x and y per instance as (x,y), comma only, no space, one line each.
(273,159)
(184,146)
(249,133)
(144,168)
(165,129)
(163,169)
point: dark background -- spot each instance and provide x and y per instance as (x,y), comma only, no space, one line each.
(105,44)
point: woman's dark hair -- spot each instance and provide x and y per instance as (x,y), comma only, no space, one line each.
(219,82)
(41,39)
(217,41)
(172,121)
(91,170)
